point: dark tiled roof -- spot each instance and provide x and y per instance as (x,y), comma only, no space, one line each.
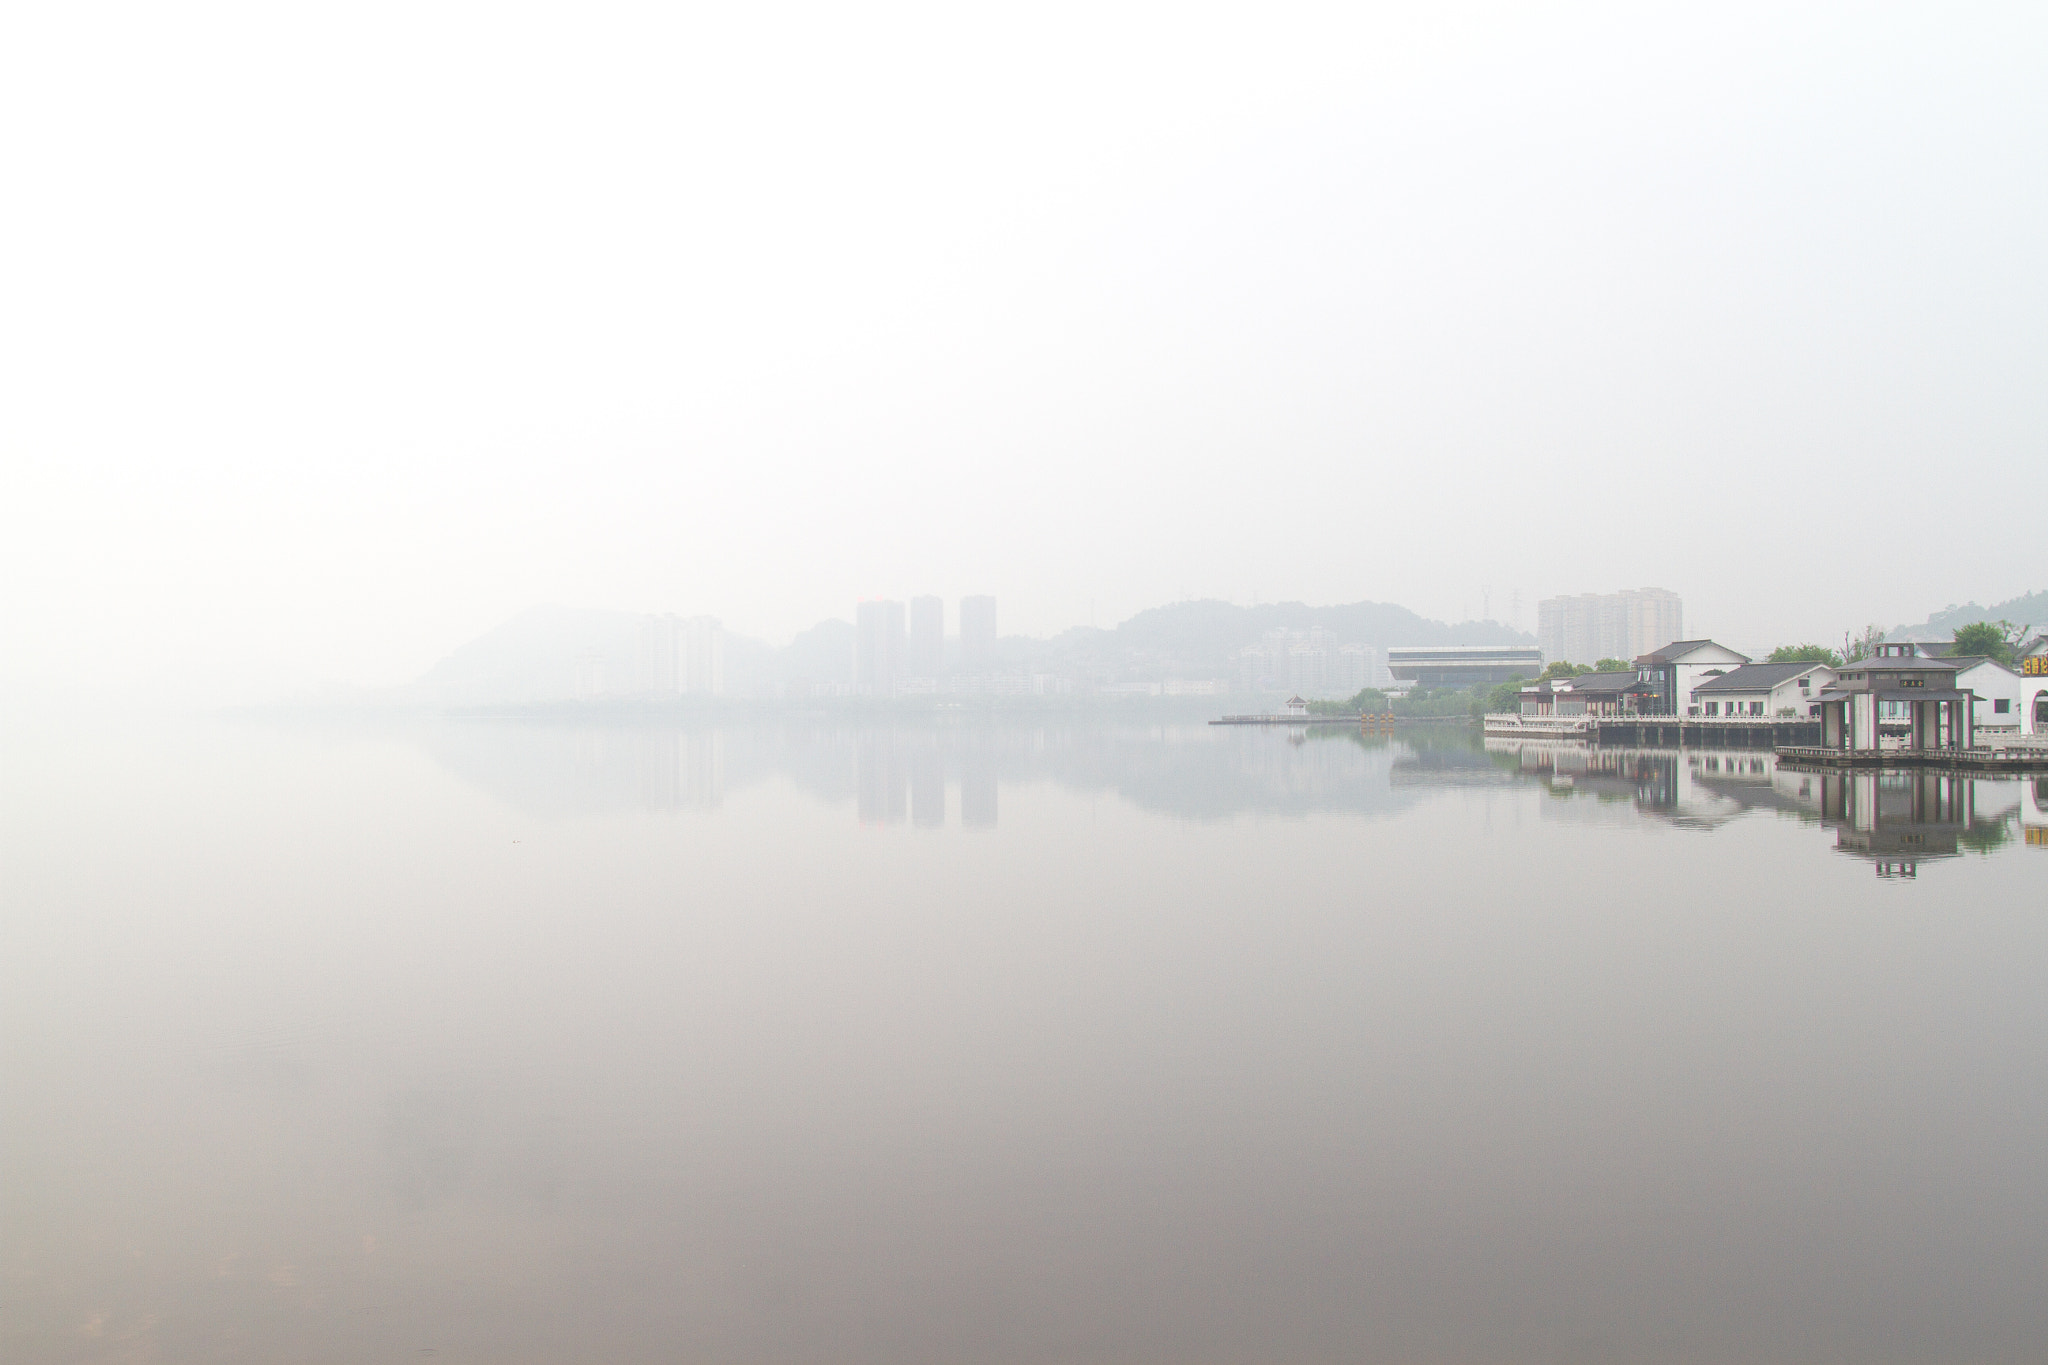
(1599,682)
(1678,649)
(1755,677)
(1894,693)
(1963,663)
(1897,663)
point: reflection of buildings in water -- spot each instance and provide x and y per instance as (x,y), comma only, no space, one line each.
(1895,819)
(927,786)
(1423,764)
(1688,788)
(1899,820)
(681,769)
(904,773)
(978,768)
(881,779)
(556,769)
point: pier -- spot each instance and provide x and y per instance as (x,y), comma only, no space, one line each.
(1651,731)
(2003,758)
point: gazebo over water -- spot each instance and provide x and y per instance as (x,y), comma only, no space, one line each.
(1889,687)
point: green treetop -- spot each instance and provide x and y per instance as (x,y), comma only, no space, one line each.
(1805,654)
(1992,639)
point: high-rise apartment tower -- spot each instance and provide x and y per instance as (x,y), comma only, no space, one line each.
(878,649)
(927,637)
(1619,625)
(977,635)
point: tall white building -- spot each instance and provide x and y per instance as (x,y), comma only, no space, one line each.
(677,656)
(977,636)
(1308,662)
(927,637)
(879,648)
(659,640)
(1360,666)
(1620,625)
(702,665)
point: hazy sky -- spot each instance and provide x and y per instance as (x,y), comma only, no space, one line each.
(329,339)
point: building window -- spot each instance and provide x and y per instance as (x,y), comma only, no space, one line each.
(1713,708)
(2002,705)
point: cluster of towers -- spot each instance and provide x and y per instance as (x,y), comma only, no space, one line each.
(682,656)
(890,655)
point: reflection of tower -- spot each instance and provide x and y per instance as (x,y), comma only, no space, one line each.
(977,635)
(702,770)
(927,637)
(879,777)
(680,770)
(978,785)
(928,785)
(703,657)
(878,649)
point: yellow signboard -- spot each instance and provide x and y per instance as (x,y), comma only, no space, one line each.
(2036,667)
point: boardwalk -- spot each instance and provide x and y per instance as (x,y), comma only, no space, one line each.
(2007,758)
(1684,732)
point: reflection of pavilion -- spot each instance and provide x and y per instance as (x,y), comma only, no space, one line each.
(1689,788)
(1896,819)
(1899,819)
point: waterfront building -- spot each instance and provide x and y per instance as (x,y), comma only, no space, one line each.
(1618,625)
(2009,700)
(878,649)
(1589,694)
(927,637)
(1666,677)
(1762,690)
(2034,688)
(1935,713)
(977,636)
(1462,665)
(2000,692)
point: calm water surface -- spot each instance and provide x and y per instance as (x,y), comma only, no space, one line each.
(507,1042)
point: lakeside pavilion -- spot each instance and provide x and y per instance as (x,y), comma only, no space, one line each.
(1891,685)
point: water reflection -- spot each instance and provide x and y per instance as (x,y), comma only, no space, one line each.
(1897,820)
(637,1044)
(940,775)
(934,776)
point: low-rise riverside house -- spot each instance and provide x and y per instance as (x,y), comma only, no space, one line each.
(1762,690)
(2000,708)
(1936,714)
(2010,701)
(2034,686)
(1666,678)
(1589,694)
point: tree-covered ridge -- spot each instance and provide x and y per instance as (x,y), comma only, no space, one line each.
(2030,609)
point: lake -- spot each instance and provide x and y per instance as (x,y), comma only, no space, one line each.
(1043,1039)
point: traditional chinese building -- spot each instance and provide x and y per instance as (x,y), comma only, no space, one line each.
(1896,687)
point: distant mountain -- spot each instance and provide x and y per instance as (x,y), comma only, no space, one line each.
(2031,609)
(556,653)
(536,656)
(1197,639)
